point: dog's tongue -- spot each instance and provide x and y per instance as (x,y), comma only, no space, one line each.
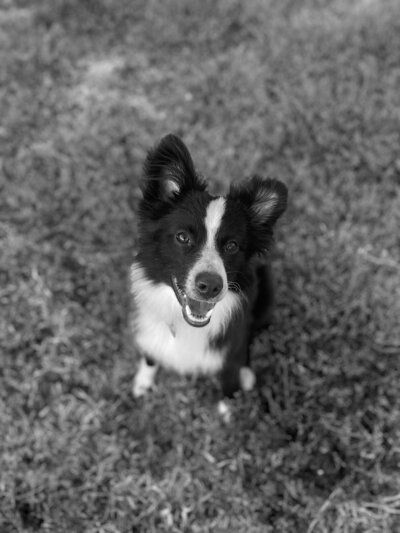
(199,307)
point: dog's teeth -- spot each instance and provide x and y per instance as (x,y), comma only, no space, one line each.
(196,318)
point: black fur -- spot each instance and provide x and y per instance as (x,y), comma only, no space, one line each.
(263,201)
(169,161)
(175,198)
(165,209)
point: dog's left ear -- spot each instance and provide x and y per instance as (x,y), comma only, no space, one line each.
(265,200)
(169,171)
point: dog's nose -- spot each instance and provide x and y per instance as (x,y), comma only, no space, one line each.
(208,284)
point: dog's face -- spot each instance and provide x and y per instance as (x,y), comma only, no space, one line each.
(196,243)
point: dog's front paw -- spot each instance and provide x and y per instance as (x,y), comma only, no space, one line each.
(140,388)
(144,379)
(247,379)
(225,411)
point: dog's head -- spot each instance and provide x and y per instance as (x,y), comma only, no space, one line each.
(200,244)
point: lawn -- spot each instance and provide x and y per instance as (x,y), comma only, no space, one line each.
(306,91)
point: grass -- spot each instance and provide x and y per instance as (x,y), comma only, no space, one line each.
(306,91)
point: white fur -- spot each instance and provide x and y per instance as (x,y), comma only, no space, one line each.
(247,379)
(224,411)
(162,333)
(144,378)
(265,202)
(210,260)
(171,187)
(214,214)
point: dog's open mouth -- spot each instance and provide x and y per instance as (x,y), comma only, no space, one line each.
(196,312)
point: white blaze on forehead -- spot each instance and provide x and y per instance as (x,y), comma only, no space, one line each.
(214,214)
(209,259)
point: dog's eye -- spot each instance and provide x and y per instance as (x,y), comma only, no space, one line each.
(182,237)
(231,247)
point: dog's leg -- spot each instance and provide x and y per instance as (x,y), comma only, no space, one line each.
(230,379)
(262,307)
(144,378)
(247,379)
(235,375)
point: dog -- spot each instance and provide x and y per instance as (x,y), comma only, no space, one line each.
(199,288)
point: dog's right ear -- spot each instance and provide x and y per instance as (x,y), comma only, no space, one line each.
(265,201)
(169,171)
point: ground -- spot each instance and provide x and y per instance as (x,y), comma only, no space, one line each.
(305,91)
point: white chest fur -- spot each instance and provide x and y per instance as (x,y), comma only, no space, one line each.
(162,333)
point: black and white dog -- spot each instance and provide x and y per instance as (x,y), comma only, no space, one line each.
(199,288)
